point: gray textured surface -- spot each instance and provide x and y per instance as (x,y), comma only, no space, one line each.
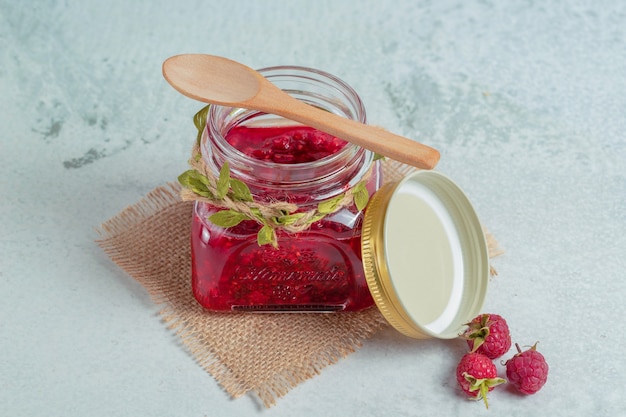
(525,99)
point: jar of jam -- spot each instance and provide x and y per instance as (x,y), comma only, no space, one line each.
(306,256)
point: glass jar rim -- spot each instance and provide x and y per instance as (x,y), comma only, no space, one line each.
(242,163)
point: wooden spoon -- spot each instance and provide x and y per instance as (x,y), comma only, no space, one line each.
(221,81)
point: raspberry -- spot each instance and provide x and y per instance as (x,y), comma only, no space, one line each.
(528,370)
(477,375)
(488,334)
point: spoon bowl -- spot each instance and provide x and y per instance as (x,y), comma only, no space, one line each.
(217,80)
(224,82)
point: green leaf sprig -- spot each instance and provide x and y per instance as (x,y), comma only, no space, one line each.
(223,189)
(199,120)
(217,189)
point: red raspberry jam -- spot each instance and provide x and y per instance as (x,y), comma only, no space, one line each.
(319,269)
(284,144)
(316,270)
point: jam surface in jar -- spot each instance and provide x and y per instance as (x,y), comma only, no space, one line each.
(284,144)
(318,269)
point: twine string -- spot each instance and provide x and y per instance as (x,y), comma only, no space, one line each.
(270,210)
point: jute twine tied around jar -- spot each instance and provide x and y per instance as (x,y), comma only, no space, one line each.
(236,203)
(268,354)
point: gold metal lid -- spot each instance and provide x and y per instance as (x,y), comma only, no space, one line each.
(425,256)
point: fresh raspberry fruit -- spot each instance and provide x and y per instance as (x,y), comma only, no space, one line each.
(528,370)
(477,375)
(488,334)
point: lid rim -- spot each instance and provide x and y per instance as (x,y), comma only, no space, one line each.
(472,241)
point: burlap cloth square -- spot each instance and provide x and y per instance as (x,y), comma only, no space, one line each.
(267,354)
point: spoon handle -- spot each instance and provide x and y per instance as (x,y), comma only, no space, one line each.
(373,138)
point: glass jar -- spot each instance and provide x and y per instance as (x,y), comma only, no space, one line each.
(316,269)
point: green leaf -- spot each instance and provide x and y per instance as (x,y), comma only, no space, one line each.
(257,213)
(289,219)
(360,186)
(223,183)
(330,206)
(227,218)
(196,182)
(199,120)
(199,187)
(361,197)
(203,193)
(183,178)
(316,218)
(241,191)
(190,175)
(267,235)
(378,156)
